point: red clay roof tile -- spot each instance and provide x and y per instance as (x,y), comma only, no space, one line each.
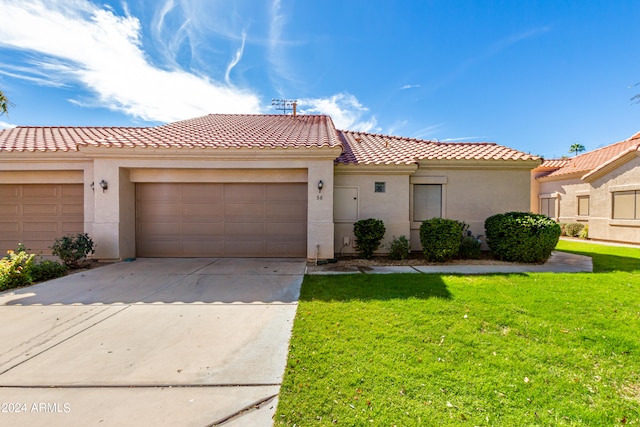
(367,148)
(587,162)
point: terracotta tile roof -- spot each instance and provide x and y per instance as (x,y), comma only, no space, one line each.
(53,138)
(554,163)
(233,131)
(367,148)
(587,162)
(214,130)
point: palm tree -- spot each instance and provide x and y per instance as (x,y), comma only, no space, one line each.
(577,148)
(4,104)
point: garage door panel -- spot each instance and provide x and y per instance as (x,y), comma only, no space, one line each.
(9,209)
(72,228)
(10,191)
(201,192)
(9,227)
(244,192)
(287,192)
(207,229)
(287,211)
(203,210)
(221,219)
(244,229)
(38,191)
(43,210)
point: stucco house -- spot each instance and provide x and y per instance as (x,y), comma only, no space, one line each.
(600,189)
(243,185)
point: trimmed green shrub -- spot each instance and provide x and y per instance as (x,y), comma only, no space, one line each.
(563,228)
(573,229)
(584,234)
(47,270)
(399,248)
(15,269)
(522,236)
(470,248)
(440,239)
(73,249)
(369,233)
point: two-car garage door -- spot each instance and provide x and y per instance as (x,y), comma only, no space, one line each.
(221,219)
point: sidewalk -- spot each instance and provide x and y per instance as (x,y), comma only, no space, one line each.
(559,262)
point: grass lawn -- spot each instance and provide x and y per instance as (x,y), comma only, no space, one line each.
(497,350)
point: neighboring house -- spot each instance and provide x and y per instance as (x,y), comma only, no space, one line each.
(243,185)
(600,189)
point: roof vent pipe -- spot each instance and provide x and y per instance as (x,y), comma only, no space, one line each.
(295,105)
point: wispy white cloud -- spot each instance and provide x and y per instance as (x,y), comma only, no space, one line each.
(405,87)
(345,110)
(428,132)
(463,139)
(79,41)
(237,57)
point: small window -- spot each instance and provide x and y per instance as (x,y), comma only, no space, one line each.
(380,187)
(626,205)
(427,201)
(583,205)
(548,207)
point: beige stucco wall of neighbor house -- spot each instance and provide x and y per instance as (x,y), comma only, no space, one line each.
(390,206)
(565,192)
(473,191)
(114,222)
(602,226)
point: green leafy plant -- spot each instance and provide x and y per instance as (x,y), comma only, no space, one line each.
(72,250)
(15,268)
(470,245)
(573,229)
(47,270)
(369,232)
(522,236)
(440,239)
(584,233)
(399,248)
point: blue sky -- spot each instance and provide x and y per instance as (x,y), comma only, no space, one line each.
(537,76)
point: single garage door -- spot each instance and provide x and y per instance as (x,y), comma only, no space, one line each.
(37,214)
(221,220)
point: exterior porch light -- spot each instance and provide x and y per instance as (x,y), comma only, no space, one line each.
(104,185)
(320,185)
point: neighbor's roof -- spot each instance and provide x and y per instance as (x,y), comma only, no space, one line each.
(211,131)
(367,148)
(595,159)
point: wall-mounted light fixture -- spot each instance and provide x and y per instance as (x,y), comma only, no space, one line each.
(103,185)
(92,185)
(320,185)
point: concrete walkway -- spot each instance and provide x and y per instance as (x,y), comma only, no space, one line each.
(158,342)
(559,262)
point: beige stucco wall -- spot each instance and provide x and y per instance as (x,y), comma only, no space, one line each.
(620,177)
(392,206)
(474,193)
(601,225)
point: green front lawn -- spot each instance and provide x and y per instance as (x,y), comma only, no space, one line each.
(497,350)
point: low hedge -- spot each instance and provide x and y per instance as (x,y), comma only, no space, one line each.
(369,233)
(522,236)
(440,239)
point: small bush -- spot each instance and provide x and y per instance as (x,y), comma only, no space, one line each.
(440,239)
(15,269)
(584,234)
(369,233)
(522,236)
(73,249)
(573,229)
(47,270)
(470,248)
(399,248)
(563,228)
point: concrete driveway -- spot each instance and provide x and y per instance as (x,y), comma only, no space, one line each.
(189,342)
